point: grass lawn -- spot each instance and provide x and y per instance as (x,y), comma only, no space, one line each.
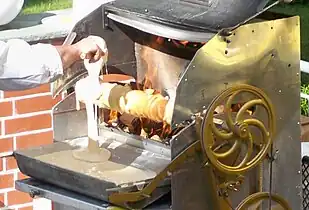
(37,6)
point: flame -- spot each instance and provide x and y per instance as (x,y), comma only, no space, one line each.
(177,43)
(166,130)
(113,116)
(184,43)
(159,40)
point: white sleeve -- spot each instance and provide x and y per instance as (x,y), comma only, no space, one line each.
(24,66)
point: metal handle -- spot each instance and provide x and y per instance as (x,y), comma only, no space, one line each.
(70,38)
(34,193)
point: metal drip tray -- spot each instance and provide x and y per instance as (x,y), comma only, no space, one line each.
(128,169)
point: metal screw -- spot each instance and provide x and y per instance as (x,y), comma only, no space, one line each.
(105,205)
(275,156)
(298,172)
(33,193)
(146,10)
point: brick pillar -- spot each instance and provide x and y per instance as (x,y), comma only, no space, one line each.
(25,121)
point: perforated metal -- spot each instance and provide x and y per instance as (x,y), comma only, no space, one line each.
(305,181)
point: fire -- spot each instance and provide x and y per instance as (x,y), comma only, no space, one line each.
(152,129)
(143,126)
(113,117)
(178,43)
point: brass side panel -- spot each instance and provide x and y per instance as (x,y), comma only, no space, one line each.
(265,55)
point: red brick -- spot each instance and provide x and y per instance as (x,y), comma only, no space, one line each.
(41,89)
(22,176)
(10,163)
(6,145)
(1,200)
(28,123)
(6,109)
(26,208)
(1,164)
(35,104)
(6,181)
(57,99)
(34,140)
(17,197)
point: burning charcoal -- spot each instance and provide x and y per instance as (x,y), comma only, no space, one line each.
(132,123)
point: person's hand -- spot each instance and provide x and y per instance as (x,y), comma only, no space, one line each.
(92,48)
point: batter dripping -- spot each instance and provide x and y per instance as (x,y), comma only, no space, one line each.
(87,90)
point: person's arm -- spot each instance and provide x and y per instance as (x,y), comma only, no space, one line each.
(25,66)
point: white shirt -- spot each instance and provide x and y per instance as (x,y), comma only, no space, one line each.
(24,66)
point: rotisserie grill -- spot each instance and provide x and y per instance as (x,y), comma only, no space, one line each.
(191,117)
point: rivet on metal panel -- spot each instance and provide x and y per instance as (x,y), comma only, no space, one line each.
(227,40)
(298,123)
(105,205)
(146,10)
(193,66)
(275,156)
(186,79)
(34,193)
(204,107)
(206,164)
(280,91)
(298,172)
